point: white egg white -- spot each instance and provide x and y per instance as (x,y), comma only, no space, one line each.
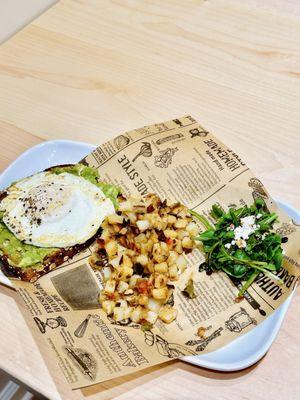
(54,210)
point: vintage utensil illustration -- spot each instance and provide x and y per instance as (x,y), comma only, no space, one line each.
(80,330)
(202,343)
(84,361)
(51,323)
(169,138)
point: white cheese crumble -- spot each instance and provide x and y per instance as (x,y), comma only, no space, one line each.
(246,228)
(243,231)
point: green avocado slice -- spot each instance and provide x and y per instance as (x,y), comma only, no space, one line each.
(22,255)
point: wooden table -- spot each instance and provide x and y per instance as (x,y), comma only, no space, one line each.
(87,70)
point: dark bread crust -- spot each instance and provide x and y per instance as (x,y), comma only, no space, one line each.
(50,262)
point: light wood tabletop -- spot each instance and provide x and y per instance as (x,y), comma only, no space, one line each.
(88,70)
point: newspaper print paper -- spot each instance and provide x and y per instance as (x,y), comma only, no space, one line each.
(181,160)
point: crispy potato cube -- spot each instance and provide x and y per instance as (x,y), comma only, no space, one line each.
(141,238)
(108,306)
(132,217)
(133,280)
(151,317)
(183,213)
(125,273)
(150,267)
(143,299)
(117,228)
(127,312)
(176,208)
(115,219)
(182,233)
(126,206)
(143,225)
(161,268)
(126,261)
(110,286)
(105,235)
(160,252)
(160,281)
(121,303)
(167,314)
(178,247)
(154,305)
(136,314)
(187,243)
(172,257)
(131,299)
(160,294)
(173,272)
(142,259)
(119,314)
(157,222)
(115,262)
(156,251)
(106,272)
(170,233)
(192,229)
(181,223)
(171,219)
(123,231)
(128,292)
(111,248)
(122,287)
(164,248)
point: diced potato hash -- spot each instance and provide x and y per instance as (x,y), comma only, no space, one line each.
(141,254)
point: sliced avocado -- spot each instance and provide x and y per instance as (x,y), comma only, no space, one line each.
(19,253)
(22,255)
(91,175)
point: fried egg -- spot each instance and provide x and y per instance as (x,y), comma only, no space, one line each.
(54,210)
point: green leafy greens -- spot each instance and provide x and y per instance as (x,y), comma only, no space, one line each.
(242,260)
(92,175)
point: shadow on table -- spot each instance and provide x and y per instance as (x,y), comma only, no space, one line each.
(160,375)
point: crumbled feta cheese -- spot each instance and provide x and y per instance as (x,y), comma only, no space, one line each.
(248,220)
(233,242)
(227,245)
(258,216)
(246,228)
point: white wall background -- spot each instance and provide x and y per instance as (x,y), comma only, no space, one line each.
(15,14)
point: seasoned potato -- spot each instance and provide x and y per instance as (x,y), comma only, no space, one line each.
(140,251)
(167,314)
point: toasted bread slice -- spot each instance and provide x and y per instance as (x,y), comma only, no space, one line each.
(52,259)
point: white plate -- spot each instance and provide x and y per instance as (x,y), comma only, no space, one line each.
(239,354)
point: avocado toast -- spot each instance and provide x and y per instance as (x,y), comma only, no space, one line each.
(26,261)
